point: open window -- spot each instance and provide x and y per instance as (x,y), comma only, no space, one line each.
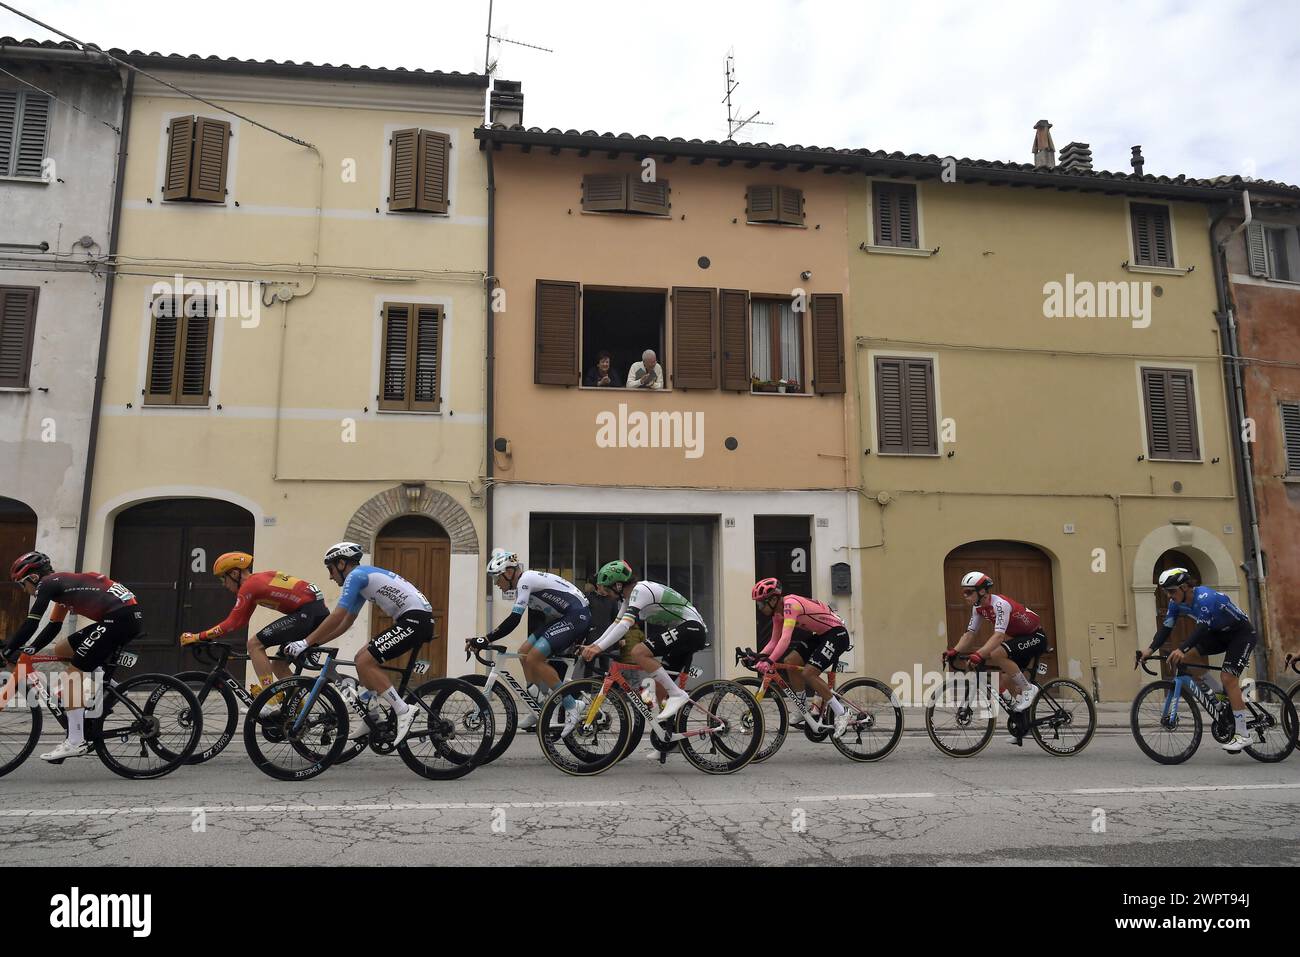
(623,323)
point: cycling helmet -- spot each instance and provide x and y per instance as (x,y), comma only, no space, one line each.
(231,560)
(501,560)
(1173,577)
(976,580)
(28,564)
(611,572)
(767,588)
(349,550)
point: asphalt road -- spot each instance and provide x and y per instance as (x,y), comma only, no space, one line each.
(808,805)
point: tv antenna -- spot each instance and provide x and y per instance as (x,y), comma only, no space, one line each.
(490,65)
(734,123)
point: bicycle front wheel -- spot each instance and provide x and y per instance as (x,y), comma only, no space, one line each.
(1063,717)
(150,726)
(301,734)
(875,720)
(1166,726)
(722,728)
(505,716)
(775,720)
(597,741)
(1270,723)
(220,714)
(454,734)
(961,715)
(20,723)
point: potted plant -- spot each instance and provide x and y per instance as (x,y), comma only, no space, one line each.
(762,385)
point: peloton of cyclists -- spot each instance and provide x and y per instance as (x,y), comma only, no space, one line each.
(1017,636)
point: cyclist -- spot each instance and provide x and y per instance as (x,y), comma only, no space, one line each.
(114,621)
(1221,629)
(566,622)
(809,635)
(397,598)
(296,599)
(1017,636)
(656,604)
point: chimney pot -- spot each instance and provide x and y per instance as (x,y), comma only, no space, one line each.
(1044,148)
(1138,160)
(506,104)
(1076,157)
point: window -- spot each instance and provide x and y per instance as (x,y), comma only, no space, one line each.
(624,193)
(24,129)
(1152,243)
(418,171)
(776,346)
(1170,398)
(894,214)
(905,406)
(1274,251)
(1291,437)
(412,350)
(624,323)
(774,204)
(17,333)
(198,149)
(180,351)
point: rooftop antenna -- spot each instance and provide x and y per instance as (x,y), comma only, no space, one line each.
(734,123)
(490,65)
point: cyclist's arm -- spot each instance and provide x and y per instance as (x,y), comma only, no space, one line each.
(965,642)
(782,630)
(1194,639)
(238,618)
(27,629)
(337,622)
(615,632)
(508,624)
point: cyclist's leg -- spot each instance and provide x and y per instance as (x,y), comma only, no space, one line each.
(291,627)
(1237,648)
(675,647)
(87,650)
(408,633)
(555,639)
(823,651)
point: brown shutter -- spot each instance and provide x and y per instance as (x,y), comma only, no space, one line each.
(1152,245)
(402,173)
(906,206)
(33,129)
(791,205)
(425,358)
(1155,394)
(395,375)
(1171,414)
(196,352)
(647,197)
(922,436)
(733,312)
(180,158)
(211,153)
(8,129)
(1291,436)
(695,338)
(761,204)
(17,334)
(164,351)
(604,192)
(555,334)
(891,415)
(905,414)
(828,343)
(435,154)
(895,214)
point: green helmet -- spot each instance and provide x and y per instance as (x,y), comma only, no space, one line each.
(611,572)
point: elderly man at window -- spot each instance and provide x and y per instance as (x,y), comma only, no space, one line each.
(646,374)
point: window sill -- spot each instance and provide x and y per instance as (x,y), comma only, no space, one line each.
(196,204)
(804,394)
(663,217)
(15,388)
(1196,461)
(898,250)
(908,455)
(1158,270)
(417,212)
(150,407)
(750,222)
(33,180)
(408,411)
(618,388)
(1291,479)
(1281,282)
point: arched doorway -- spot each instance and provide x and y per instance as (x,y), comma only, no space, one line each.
(418,549)
(1174,559)
(163,551)
(1018,571)
(17,535)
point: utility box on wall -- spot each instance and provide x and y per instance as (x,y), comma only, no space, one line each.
(1101,643)
(841,579)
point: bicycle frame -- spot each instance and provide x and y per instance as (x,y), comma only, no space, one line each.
(325,659)
(772,677)
(495,672)
(1030,672)
(614,678)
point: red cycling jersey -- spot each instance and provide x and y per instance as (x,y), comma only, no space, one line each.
(1008,616)
(284,593)
(802,613)
(89,595)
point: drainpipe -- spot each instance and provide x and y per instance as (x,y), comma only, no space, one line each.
(490,427)
(104,317)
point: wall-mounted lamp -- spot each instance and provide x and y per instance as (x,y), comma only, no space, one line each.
(413,491)
(502,445)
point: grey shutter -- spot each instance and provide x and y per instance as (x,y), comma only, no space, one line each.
(1291,436)
(8,129)
(425,358)
(555,333)
(17,333)
(895,214)
(733,312)
(403,170)
(394,377)
(434,159)
(761,204)
(827,343)
(922,436)
(695,338)
(604,192)
(907,225)
(1256,250)
(33,131)
(1152,242)
(905,411)
(884,214)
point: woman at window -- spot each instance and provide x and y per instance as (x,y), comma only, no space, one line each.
(602,373)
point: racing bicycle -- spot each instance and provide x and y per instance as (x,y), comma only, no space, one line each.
(497,686)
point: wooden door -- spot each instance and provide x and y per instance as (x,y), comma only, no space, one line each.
(1018,571)
(1183,630)
(17,535)
(426,564)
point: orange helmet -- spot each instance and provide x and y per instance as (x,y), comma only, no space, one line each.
(765,589)
(226,562)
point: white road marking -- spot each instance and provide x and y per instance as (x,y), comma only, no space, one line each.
(866,797)
(1157,789)
(298,808)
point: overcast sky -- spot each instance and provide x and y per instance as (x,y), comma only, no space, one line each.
(1206,87)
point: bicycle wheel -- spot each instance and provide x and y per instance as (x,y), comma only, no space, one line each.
(149,727)
(1070,714)
(20,724)
(453,735)
(775,719)
(875,720)
(1270,723)
(505,716)
(1166,728)
(220,714)
(722,728)
(303,737)
(593,745)
(960,717)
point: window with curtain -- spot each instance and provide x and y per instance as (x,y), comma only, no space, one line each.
(776,346)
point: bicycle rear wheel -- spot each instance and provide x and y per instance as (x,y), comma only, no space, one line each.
(592,746)
(505,716)
(454,734)
(1270,723)
(20,724)
(220,714)
(875,720)
(1070,715)
(775,718)
(303,736)
(1166,727)
(150,726)
(960,718)
(722,728)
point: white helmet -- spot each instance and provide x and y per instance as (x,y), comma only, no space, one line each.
(348,550)
(976,580)
(1173,577)
(500,560)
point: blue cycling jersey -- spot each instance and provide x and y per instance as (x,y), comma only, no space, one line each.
(1209,609)
(390,592)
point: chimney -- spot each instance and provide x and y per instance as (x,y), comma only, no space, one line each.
(1137,161)
(1044,148)
(1076,158)
(506,104)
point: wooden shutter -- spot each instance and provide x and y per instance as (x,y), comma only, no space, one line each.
(695,338)
(828,343)
(426,354)
(895,214)
(8,129)
(434,159)
(395,374)
(17,334)
(891,414)
(1291,436)
(604,192)
(555,334)
(164,351)
(762,204)
(905,412)
(211,154)
(1171,414)
(1257,250)
(32,133)
(647,197)
(196,352)
(180,158)
(791,205)
(733,312)
(1152,244)
(918,393)
(402,185)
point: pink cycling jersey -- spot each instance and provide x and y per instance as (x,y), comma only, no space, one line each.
(1008,616)
(804,614)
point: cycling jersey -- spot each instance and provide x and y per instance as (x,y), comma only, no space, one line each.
(1008,616)
(391,593)
(89,594)
(283,593)
(649,602)
(1211,610)
(803,614)
(553,596)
